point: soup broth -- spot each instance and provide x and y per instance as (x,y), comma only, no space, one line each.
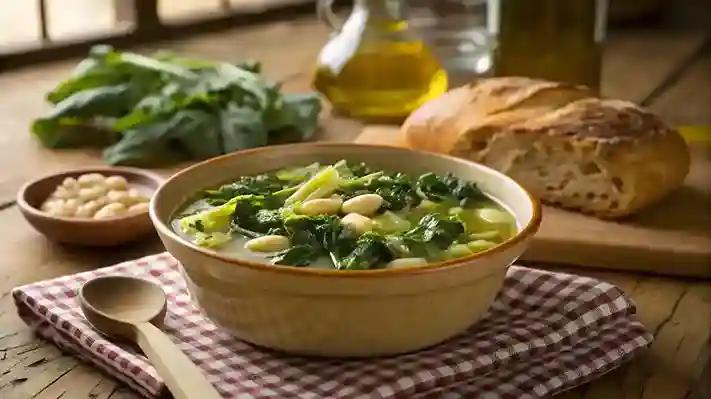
(345,217)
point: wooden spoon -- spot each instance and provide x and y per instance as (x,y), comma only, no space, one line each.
(130,308)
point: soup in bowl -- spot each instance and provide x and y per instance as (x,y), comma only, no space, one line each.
(343,249)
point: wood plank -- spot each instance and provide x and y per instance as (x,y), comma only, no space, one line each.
(635,61)
(688,102)
(679,311)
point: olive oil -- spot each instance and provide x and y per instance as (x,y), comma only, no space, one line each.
(385,80)
(375,68)
(559,40)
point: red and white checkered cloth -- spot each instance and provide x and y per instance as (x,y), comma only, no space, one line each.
(545,333)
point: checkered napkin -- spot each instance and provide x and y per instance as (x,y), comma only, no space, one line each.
(545,333)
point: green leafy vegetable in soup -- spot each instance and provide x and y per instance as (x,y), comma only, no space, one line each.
(347,217)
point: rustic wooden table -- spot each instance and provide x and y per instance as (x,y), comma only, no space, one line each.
(678,312)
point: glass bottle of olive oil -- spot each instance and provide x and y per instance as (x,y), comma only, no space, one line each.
(559,40)
(374,66)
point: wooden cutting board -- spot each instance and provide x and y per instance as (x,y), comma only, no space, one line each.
(673,237)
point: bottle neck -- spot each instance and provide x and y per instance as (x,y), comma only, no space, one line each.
(382,10)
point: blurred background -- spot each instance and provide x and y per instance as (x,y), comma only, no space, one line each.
(34,31)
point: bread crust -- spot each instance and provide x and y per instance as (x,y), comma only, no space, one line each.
(601,156)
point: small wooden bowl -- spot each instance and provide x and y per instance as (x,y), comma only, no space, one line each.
(84,231)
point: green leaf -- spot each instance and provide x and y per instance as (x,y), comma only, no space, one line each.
(438,188)
(89,81)
(241,80)
(139,62)
(242,128)
(298,255)
(187,134)
(79,111)
(151,107)
(370,252)
(300,112)
(90,73)
(198,133)
(165,108)
(433,235)
(149,145)
(107,67)
(155,155)
(72,133)
(111,101)
(246,185)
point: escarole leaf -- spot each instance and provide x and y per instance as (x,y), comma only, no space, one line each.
(103,101)
(210,227)
(83,111)
(370,251)
(242,128)
(73,133)
(151,143)
(432,236)
(107,67)
(209,220)
(296,115)
(320,185)
(153,110)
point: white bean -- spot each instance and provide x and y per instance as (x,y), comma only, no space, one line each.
(359,223)
(61,210)
(366,204)
(407,262)
(270,243)
(116,183)
(72,205)
(90,193)
(63,193)
(111,210)
(84,211)
(91,179)
(136,196)
(88,209)
(321,206)
(71,184)
(50,204)
(138,208)
(119,196)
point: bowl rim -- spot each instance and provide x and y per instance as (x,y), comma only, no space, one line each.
(25,206)
(526,232)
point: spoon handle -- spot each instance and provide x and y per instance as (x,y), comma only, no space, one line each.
(183,378)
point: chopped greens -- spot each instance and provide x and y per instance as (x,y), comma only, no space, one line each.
(425,218)
(157,110)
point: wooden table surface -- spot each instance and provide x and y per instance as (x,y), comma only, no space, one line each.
(677,311)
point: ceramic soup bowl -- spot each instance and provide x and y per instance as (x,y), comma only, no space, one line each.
(351,313)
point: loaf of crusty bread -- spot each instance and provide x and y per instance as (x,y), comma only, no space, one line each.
(569,148)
